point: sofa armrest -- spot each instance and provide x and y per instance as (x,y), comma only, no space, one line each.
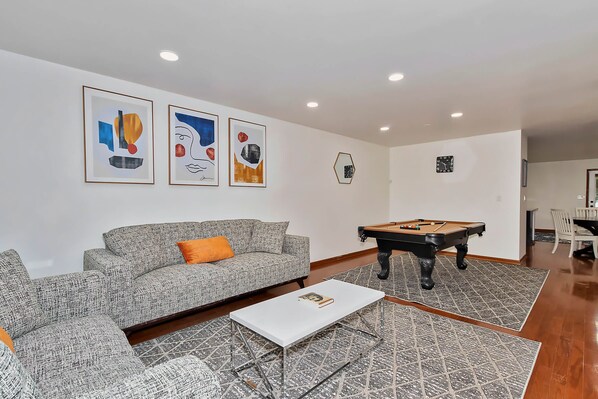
(15,380)
(186,377)
(72,295)
(119,281)
(297,246)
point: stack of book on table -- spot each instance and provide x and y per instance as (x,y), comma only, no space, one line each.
(316,299)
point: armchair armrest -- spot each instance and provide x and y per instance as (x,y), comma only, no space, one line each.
(186,377)
(15,381)
(297,246)
(119,281)
(72,295)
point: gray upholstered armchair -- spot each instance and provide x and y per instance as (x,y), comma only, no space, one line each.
(66,347)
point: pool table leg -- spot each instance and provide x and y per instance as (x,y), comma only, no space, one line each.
(383,256)
(426,266)
(461,252)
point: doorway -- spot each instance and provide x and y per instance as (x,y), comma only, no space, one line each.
(592,188)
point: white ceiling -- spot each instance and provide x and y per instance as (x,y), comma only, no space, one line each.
(507,64)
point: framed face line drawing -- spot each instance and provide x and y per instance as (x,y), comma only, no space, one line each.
(193,151)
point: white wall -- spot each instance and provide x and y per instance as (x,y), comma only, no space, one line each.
(523,204)
(557,185)
(50,216)
(485,186)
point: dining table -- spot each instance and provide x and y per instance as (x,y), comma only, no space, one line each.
(589,223)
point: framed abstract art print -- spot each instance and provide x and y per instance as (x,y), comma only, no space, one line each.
(118,136)
(247,153)
(193,147)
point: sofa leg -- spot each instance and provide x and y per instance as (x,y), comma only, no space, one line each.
(301,282)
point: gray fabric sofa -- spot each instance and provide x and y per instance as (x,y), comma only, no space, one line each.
(66,347)
(148,279)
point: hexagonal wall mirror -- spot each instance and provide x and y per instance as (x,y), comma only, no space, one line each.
(344,168)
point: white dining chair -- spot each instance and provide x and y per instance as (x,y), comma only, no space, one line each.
(586,212)
(565,229)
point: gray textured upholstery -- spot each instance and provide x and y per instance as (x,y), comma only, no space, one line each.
(140,245)
(237,231)
(15,381)
(119,281)
(67,296)
(151,246)
(185,377)
(138,294)
(20,311)
(61,356)
(82,353)
(176,288)
(255,270)
(297,246)
(268,237)
(171,233)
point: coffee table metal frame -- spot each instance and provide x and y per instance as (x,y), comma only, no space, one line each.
(257,360)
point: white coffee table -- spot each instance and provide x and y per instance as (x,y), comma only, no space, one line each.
(286,321)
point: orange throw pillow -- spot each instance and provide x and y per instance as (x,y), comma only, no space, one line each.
(4,337)
(206,250)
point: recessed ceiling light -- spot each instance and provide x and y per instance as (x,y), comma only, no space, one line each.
(427,124)
(395,77)
(456,114)
(312,104)
(384,129)
(169,55)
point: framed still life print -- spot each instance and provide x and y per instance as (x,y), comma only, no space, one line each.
(118,136)
(193,147)
(247,153)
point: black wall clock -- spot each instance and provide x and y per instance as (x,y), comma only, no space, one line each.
(445,164)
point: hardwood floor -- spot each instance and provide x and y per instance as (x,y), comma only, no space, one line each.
(564,319)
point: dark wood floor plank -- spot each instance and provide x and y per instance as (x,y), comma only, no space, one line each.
(560,368)
(590,381)
(574,377)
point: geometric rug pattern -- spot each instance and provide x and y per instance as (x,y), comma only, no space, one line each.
(491,292)
(543,236)
(547,237)
(423,355)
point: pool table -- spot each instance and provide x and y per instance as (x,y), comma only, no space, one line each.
(423,238)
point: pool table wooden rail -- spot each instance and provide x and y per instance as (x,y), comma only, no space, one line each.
(426,235)
(449,227)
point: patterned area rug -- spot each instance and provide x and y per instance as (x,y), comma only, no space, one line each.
(547,237)
(494,293)
(422,356)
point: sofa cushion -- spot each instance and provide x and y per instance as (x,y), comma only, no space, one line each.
(171,233)
(77,356)
(256,270)
(206,250)
(20,311)
(237,231)
(140,245)
(268,237)
(151,246)
(176,288)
